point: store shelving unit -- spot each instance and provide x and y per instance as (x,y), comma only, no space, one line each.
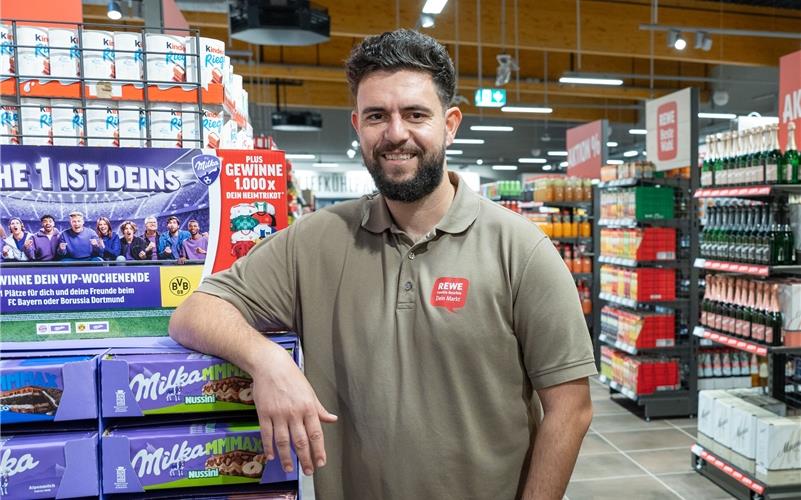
(680,402)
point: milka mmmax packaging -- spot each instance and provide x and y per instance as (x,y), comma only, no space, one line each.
(134,385)
(38,389)
(181,456)
(60,465)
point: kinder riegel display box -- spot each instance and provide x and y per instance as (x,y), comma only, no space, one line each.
(135,385)
(181,456)
(38,389)
(62,465)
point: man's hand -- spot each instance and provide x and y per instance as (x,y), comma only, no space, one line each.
(150,246)
(28,243)
(168,250)
(201,251)
(62,246)
(289,412)
(142,254)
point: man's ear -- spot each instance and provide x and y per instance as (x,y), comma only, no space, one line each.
(453,118)
(354,121)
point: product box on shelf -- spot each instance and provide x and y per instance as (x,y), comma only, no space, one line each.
(790,302)
(180,456)
(707,421)
(58,465)
(641,244)
(778,444)
(744,417)
(159,383)
(46,386)
(237,197)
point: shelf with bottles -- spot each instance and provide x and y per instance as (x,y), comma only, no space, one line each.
(749,232)
(634,173)
(751,156)
(559,191)
(530,205)
(730,368)
(503,191)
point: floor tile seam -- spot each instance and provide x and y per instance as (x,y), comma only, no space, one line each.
(682,430)
(649,473)
(607,478)
(632,430)
(666,448)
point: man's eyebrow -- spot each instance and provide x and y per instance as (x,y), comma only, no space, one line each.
(406,109)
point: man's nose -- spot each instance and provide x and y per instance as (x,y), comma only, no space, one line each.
(397,131)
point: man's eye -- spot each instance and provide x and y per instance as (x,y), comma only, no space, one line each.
(375,116)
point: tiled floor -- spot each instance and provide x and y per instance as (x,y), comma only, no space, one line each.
(646,460)
(623,456)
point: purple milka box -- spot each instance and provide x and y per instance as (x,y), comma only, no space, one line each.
(60,465)
(182,456)
(142,382)
(37,387)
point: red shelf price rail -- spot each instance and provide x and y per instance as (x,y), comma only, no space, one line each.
(729,470)
(723,339)
(726,192)
(115,91)
(733,267)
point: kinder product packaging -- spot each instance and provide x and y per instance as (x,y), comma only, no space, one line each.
(57,388)
(67,122)
(166,59)
(166,126)
(37,122)
(212,127)
(9,122)
(778,444)
(58,465)
(158,383)
(132,124)
(102,124)
(33,60)
(212,60)
(128,60)
(64,53)
(228,136)
(190,126)
(180,456)
(98,55)
(6,51)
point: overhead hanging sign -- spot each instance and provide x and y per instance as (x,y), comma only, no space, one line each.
(586,149)
(668,120)
(789,96)
(490,98)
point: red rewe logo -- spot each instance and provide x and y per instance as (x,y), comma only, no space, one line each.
(450,293)
(668,131)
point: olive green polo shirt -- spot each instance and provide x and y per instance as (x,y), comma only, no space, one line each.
(428,352)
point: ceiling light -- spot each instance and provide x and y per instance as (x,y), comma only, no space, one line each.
(590,81)
(114,10)
(675,40)
(479,162)
(532,160)
(637,131)
(351,153)
(611,144)
(491,128)
(718,116)
(297,121)
(557,153)
(434,6)
(453,152)
(614,162)
(703,41)
(426,20)
(300,157)
(526,109)
(354,144)
(325,165)
(468,141)
(563,164)
(261,22)
(547,167)
(504,167)
(630,154)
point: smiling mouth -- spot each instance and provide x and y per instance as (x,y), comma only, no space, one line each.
(398,156)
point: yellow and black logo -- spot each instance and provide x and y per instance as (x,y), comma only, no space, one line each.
(179,286)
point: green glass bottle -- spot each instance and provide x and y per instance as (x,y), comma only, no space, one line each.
(791,157)
(774,172)
(708,165)
(717,174)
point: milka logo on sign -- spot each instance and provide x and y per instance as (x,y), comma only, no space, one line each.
(584,151)
(10,466)
(153,463)
(206,168)
(155,385)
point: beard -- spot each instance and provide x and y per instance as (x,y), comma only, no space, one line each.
(426,178)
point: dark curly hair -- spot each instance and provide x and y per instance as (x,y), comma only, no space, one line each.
(403,49)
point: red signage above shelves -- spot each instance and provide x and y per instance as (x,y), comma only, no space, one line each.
(586,149)
(789,96)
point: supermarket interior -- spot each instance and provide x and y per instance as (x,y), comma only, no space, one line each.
(146,145)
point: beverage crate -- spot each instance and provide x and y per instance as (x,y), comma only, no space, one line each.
(638,374)
(640,330)
(653,202)
(641,284)
(650,243)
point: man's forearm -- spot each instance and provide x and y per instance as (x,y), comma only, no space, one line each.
(556,448)
(213,326)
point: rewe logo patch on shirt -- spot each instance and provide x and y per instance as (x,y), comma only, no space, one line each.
(450,293)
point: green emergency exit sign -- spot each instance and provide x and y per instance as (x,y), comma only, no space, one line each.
(490,98)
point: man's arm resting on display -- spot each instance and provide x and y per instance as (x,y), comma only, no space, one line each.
(287,406)
(568,413)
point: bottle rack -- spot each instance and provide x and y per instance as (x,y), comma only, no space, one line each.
(670,402)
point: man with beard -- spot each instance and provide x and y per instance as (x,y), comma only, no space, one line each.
(17,241)
(442,329)
(196,246)
(44,242)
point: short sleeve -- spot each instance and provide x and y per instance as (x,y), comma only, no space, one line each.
(260,285)
(549,322)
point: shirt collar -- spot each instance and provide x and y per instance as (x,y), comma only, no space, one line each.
(376,217)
